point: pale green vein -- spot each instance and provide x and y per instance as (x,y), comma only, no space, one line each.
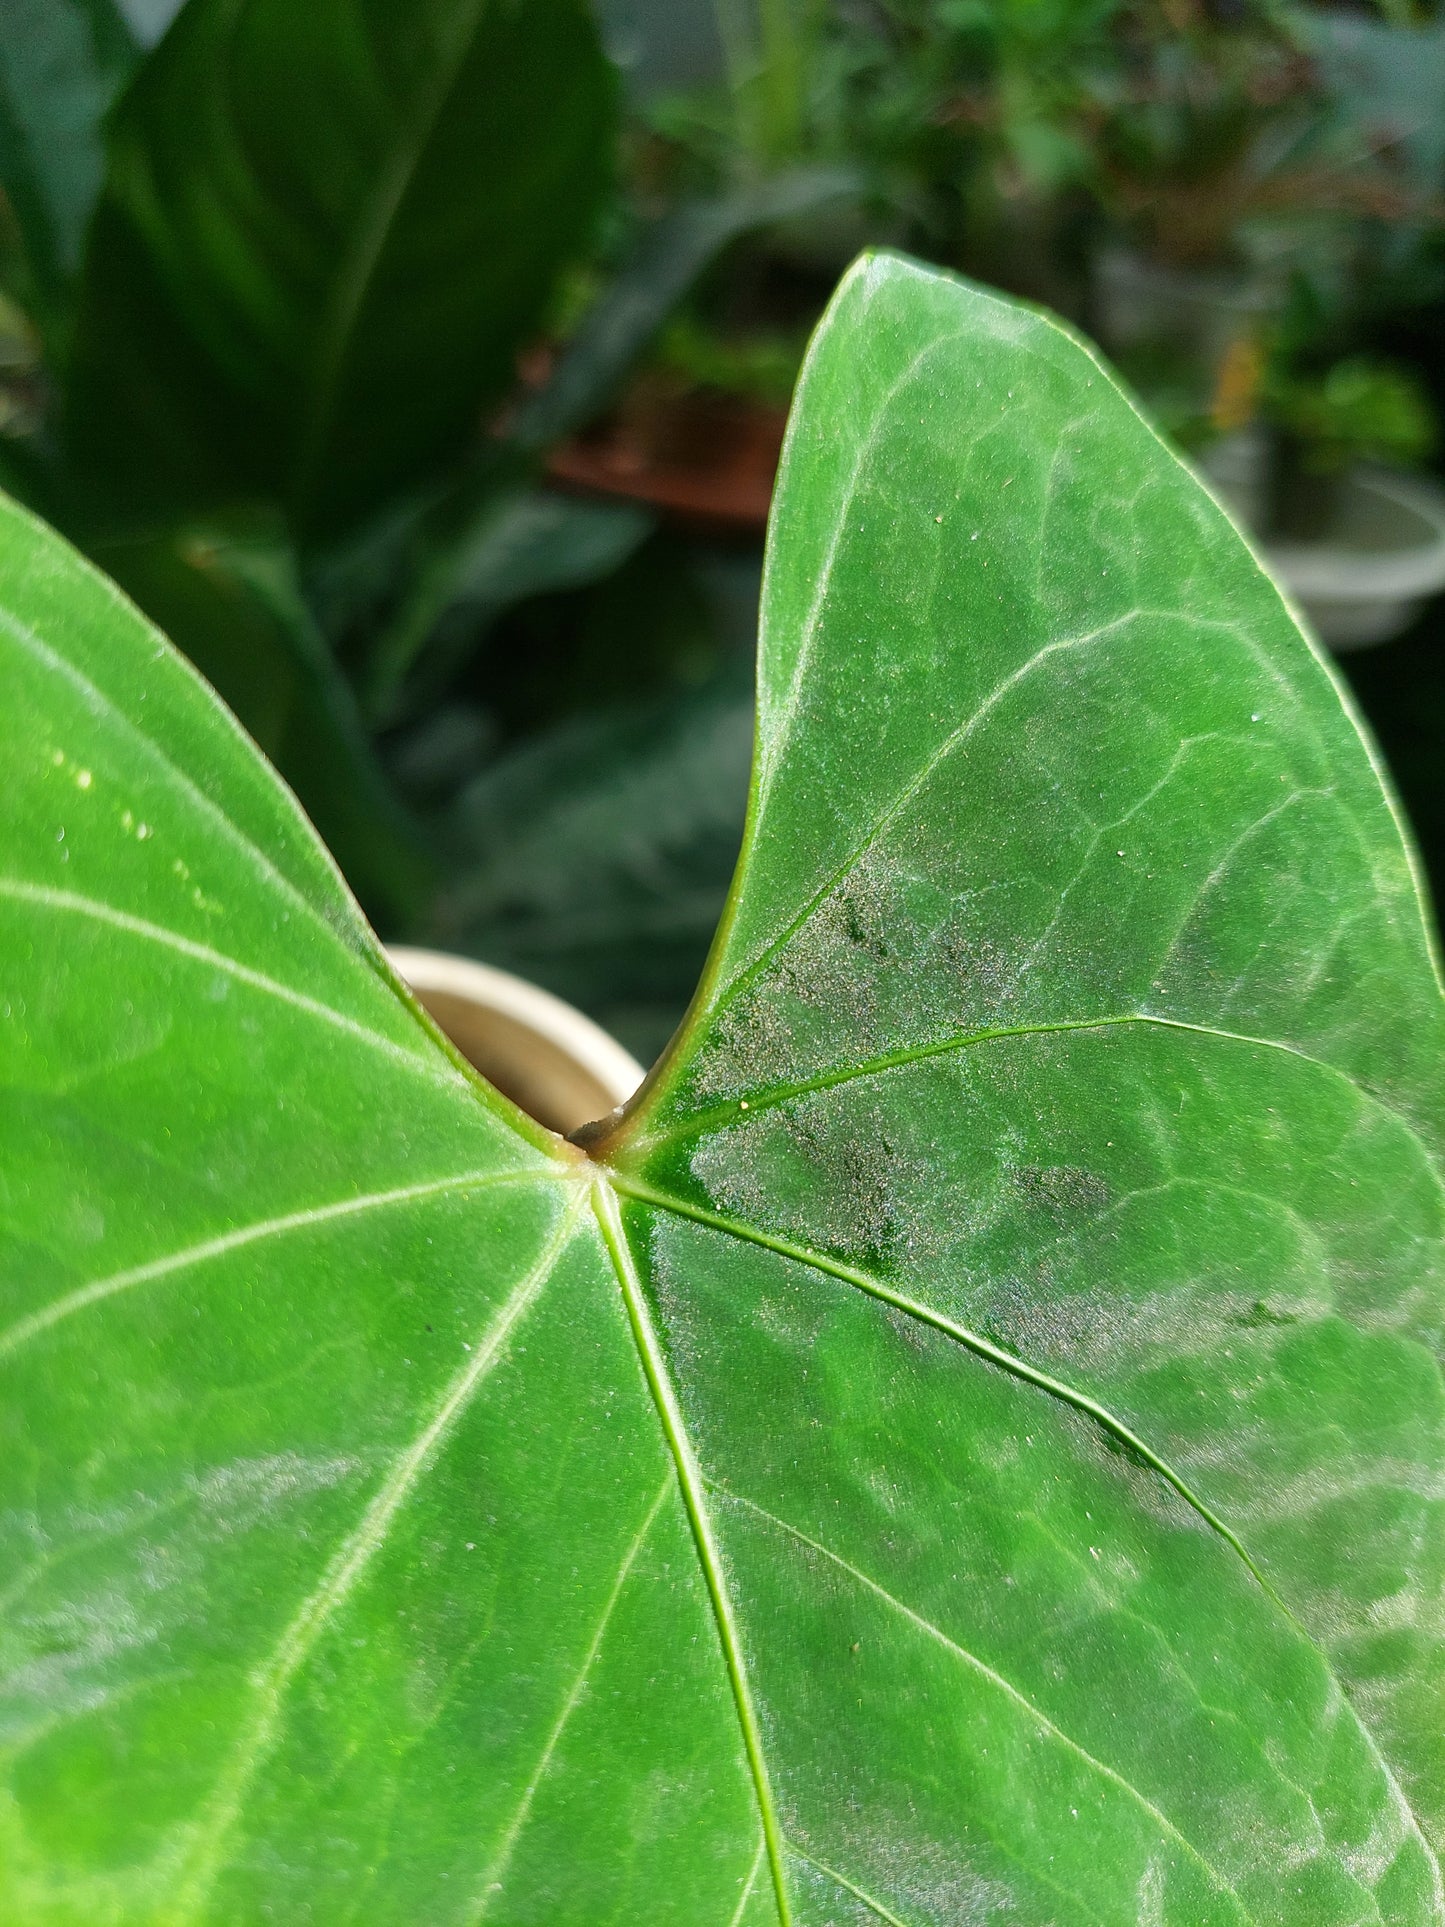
(950,1328)
(1362,1091)
(739,1110)
(209,1249)
(424,1060)
(843,513)
(690,1480)
(1010,1691)
(272,1678)
(497,1872)
(1225,862)
(752,1880)
(955,740)
(849,1887)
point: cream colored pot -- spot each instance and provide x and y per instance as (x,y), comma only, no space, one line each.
(556,1064)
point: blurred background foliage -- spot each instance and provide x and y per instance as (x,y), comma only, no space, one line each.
(422,368)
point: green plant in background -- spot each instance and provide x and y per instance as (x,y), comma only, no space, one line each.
(328,327)
(962,117)
(974,113)
(772,49)
(763,365)
(1323,425)
(61,64)
(1023,141)
(1358,409)
(281,288)
(1204,123)
(967,1442)
(316,246)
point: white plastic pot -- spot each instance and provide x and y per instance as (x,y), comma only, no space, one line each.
(553,1062)
(1385,559)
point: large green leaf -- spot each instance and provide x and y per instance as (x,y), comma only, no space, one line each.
(966,1447)
(324,232)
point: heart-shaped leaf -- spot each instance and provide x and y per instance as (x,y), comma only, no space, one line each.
(966,1447)
(325,231)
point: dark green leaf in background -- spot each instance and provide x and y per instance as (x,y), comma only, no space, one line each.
(61,63)
(600,855)
(966,1448)
(226,593)
(670,256)
(490,540)
(325,232)
(515,542)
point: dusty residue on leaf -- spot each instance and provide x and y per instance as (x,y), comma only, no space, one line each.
(888,960)
(1064,1192)
(811,1172)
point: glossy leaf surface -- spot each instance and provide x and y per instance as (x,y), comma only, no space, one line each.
(325,232)
(967,1447)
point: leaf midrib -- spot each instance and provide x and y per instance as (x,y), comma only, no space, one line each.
(691,1485)
(363,256)
(949,1328)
